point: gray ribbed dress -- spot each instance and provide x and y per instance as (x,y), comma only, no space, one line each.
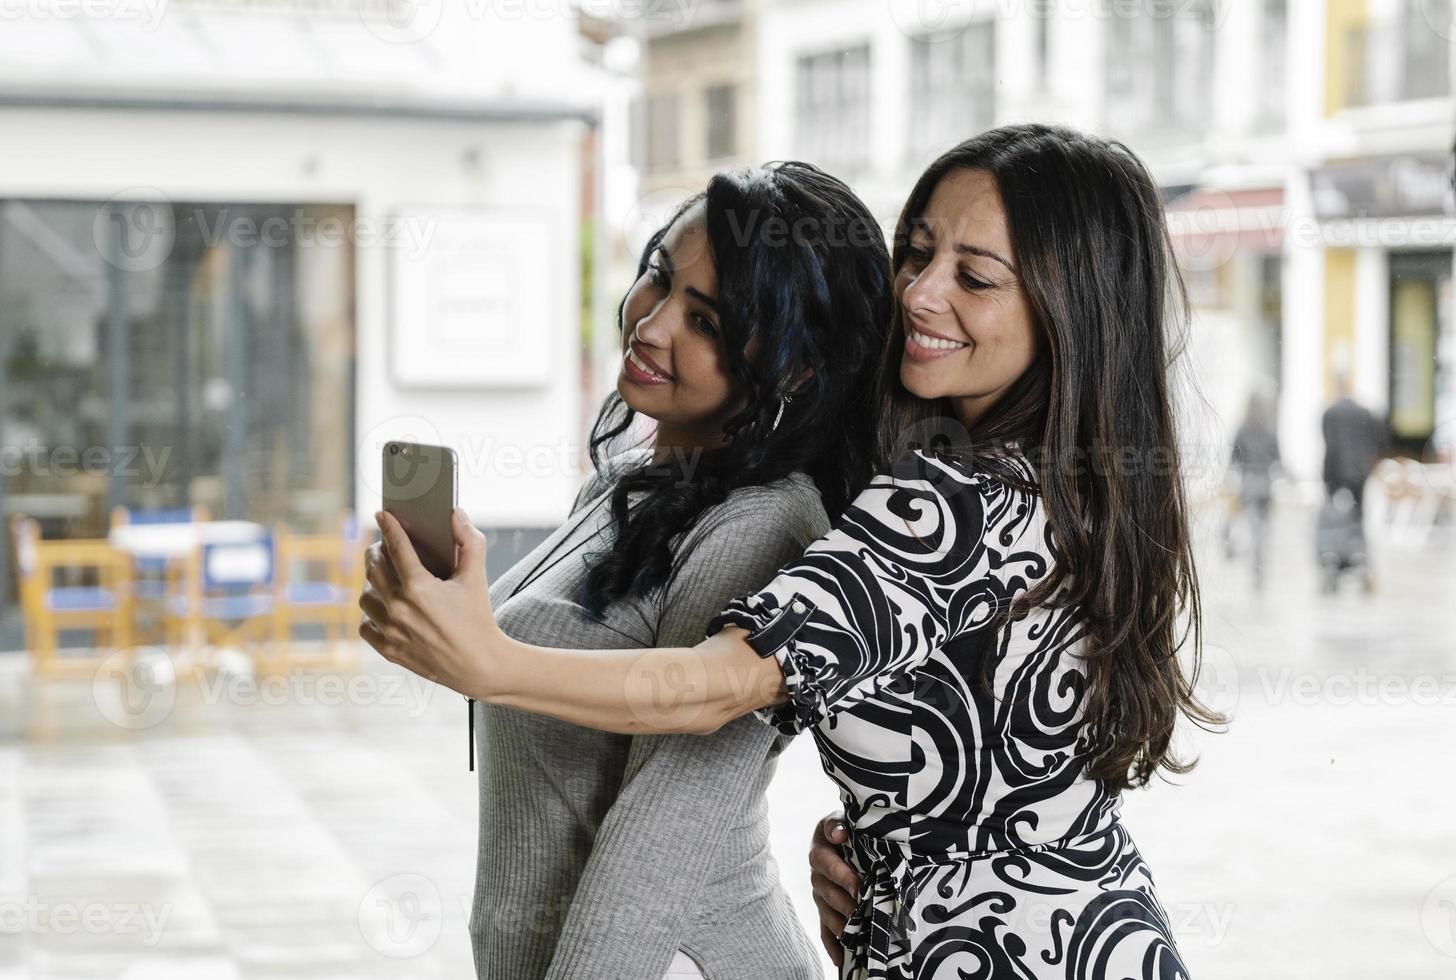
(602,854)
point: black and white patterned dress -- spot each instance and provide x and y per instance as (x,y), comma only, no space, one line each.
(958,746)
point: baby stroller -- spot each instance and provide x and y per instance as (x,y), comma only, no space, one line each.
(1340,540)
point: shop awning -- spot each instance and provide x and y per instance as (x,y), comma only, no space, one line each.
(342,57)
(1210,219)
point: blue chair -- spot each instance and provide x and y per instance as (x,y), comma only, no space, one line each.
(230,595)
(154,579)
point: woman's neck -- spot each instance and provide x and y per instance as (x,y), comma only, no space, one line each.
(668,441)
(969,409)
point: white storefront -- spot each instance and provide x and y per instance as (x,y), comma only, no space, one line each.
(443,151)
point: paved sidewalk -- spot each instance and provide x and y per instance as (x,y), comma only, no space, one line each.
(309,830)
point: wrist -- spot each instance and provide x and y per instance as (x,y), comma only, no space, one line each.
(495,681)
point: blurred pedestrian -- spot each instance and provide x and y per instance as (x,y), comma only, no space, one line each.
(1354,442)
(1254,459)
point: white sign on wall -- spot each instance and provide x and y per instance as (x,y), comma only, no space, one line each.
(471,306)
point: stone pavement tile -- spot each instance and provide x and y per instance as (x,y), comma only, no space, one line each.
(92,810)
(114,967)
(133,914)
(14,844)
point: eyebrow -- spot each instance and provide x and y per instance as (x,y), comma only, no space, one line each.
(697,294)
(963,248)
(707,300)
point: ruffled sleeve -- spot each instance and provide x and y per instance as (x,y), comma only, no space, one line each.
(906,569)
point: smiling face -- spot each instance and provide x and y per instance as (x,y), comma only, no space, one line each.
(674,368)
(969,329)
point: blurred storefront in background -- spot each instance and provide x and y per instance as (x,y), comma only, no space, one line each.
(1380,190)
(242,244)
(1389,289)
(262,236)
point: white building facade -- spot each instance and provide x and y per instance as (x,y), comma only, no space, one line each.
(262,238)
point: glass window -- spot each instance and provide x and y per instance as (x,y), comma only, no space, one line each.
(1273,44)
(952,88)
(1400,54)
(1042,46)
(722,121)
(1159,67)
(832,109)
(1420,301)
(1426,48)
(173,355)
(662,139)
(637,124)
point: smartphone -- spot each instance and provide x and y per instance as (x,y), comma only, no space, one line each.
(421,487)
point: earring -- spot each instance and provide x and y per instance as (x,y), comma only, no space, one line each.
(783,403)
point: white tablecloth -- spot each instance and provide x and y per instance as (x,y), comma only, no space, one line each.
(174,540)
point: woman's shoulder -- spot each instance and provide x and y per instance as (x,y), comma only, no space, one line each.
(948,501)
(965,473)
(735,545)
(795,492)
(787,507)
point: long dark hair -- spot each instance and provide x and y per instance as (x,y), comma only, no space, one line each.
(802,265)
(1094,414)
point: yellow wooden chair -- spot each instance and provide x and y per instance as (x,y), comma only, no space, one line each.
(319,580)
(104,607)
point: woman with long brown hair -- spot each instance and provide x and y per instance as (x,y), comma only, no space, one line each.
(985,646)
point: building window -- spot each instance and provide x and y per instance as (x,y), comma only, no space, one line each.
(832,109)
(1043,28)
(662,136)
(1273,43)
(952,87)
(1401,54)
(1158,68)
(722,107)
(219,335)
(1425,44)
(637,133)
(1420,347)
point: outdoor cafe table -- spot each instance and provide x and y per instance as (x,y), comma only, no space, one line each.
(176,540)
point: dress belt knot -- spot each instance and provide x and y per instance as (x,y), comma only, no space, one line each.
(887,894)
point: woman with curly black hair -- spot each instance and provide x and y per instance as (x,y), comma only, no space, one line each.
(749,340)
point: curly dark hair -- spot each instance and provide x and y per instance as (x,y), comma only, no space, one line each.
(802,265)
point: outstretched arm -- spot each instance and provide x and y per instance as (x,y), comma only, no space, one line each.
(445,631)
(906,569)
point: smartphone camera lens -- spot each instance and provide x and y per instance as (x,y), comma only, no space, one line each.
(393,449)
